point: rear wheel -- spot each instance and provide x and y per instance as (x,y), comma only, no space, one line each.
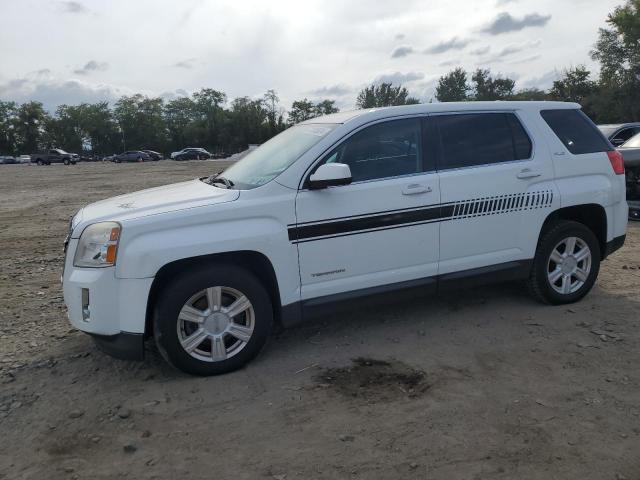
(140,159)
(212,320)
(566,264)
(39,162)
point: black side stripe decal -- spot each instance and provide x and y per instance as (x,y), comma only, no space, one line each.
(499,204)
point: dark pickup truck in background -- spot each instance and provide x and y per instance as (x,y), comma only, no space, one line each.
(54,155)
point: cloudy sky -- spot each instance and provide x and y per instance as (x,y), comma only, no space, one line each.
(88,50)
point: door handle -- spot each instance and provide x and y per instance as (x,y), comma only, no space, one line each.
(415,188)
(528,173)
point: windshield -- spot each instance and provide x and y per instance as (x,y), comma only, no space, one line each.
(273,157)
(633,143)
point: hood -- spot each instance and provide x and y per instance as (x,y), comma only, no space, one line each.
(153,201)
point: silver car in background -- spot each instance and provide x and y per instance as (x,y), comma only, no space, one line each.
(630,151)
(620,133)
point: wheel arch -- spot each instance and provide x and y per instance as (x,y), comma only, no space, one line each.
(591,215)
(256,262)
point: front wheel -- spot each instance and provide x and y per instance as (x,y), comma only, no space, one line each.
(39,162)
(212,320)
(566,264)
(66,161)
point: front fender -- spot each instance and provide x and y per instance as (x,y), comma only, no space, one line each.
(145,249)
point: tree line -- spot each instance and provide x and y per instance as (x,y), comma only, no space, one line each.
(204,119)
(207,119)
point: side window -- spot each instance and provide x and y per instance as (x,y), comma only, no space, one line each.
(473,139)
(576,131)
(623,136)
(388,149)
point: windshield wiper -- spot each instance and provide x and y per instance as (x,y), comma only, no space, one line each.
(220,179)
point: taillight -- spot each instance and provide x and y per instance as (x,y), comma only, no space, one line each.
(617,162)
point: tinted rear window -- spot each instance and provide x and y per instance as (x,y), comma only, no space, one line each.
(481,139)
(576,131)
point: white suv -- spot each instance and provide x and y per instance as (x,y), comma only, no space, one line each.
(348,205)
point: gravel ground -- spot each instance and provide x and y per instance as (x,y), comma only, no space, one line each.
(481,384)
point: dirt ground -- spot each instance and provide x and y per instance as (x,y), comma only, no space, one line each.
(481,384)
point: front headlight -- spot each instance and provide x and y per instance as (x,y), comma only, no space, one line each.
(98,245)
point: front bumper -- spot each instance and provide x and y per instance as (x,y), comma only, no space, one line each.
(111,309)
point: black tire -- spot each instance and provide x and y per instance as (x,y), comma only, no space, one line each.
(66,161)
(174,296)
(539,284)
(39,162)
(116,160)
(140,159)
(48,162)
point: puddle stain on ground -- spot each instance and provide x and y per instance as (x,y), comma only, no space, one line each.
(375,380)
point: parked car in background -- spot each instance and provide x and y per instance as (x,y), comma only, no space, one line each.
(631,154)
(618,134)
(155,156)
(6,159)
(191,154)
(24,159)
(55,155)
(132,156)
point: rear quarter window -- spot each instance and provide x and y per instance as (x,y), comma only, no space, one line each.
(576,131)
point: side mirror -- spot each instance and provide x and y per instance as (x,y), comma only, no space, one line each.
(329,175)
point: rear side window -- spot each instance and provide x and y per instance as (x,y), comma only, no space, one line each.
(576,131)
(473,139)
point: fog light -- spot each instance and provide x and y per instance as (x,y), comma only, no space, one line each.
(86,313)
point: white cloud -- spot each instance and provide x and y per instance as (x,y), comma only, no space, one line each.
(73,7)
(454,43)
(337,90)
(315,47)
(505,23)
(52,92)
(480,51)
(398,78)
(187,63)
(92,66)
(401,51)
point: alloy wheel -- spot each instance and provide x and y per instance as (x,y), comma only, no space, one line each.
(215,324)
(569,265)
